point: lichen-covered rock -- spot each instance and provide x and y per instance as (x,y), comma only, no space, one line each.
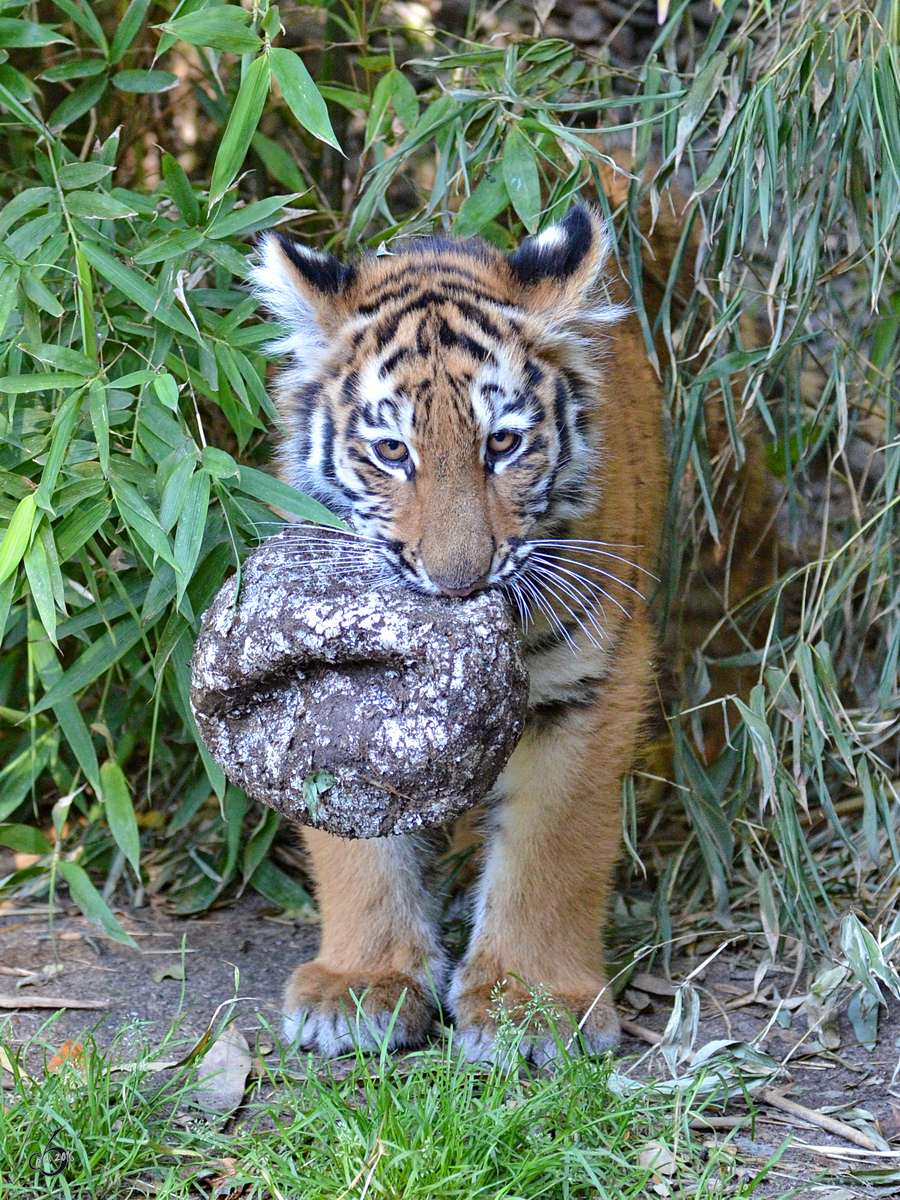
(412,703)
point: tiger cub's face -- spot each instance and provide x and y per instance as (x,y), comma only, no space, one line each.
(440,398)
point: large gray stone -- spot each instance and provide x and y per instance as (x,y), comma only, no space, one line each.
(412,703)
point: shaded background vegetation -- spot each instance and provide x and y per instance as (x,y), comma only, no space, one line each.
(143,145)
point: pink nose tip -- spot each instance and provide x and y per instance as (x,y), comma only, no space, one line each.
(458,588)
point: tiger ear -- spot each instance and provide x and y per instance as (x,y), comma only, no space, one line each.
(559,269)
(303,289)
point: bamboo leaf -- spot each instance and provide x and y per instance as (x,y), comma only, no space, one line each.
(81,101)
(28,34)
(520,174)
(81,12)
(279,164)
(270,881)
(128,29)
(119,809)
(38,293)
(488,199)
(180,189)
(282,495)
(92,904)
(98,204)
(252,216)
(241,127)
(225,28)
(83,523)
(100,422)
(138,515)
(24,769)
(705,86)
(135,288)
(70,361)
(301,95)
(37,570)
(24,839)
(99,657)
(191,525)
(145,82)
(66,711)
(17,536)
(259,842)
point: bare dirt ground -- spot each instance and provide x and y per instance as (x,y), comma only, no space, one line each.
(245,950)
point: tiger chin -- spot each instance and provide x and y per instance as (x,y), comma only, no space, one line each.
(489,421)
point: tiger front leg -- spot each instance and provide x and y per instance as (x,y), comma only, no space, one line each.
(542,900)
(379,953)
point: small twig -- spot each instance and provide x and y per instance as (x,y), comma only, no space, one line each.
(707,1123)
(848,1155)
(641,1031)
(28,1001)
(838,1128)
(86,145)
(31,912)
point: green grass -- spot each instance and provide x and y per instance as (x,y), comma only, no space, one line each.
(427,1125)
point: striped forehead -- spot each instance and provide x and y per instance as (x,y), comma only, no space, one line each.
(385,411)
(505,392)
(405,394)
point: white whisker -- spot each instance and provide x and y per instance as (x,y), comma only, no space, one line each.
(592,583)
(583,601)
(512,588)
(564,558)
(585,546)
(553,618)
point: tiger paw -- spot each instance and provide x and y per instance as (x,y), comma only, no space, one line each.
(496,1022)
(331,1012)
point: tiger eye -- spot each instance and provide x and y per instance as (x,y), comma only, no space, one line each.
(391,450)
(504,441)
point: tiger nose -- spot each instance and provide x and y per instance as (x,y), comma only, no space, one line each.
(459,588)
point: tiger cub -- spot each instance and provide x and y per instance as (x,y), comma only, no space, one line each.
(491,421)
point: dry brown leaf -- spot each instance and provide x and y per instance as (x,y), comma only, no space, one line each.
(7,1065)
(653,984)
(223,1071)
(69,1052)
(658,1157)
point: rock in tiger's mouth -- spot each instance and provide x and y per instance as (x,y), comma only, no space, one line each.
(411,703)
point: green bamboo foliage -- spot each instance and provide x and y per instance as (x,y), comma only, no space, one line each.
(121,519)
(134,415)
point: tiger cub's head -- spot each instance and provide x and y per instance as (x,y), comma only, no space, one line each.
(439,398)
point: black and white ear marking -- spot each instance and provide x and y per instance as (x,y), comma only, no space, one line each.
(321,271)
(297,285)
(559,268)
(562,249)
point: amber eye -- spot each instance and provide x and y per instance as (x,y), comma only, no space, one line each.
(392,451)
(504,441)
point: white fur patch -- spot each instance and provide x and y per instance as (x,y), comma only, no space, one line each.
(554,236)
(394,418)
(336,1033)
(480,1044)
(275,282)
